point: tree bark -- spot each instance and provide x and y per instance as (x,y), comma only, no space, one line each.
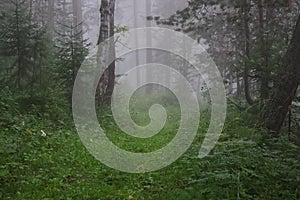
(51,4)
(286,87)
(111,69)
(104,12)
(149,52)
(137,55)
(264,72)
(246,10)
(107,80)
(77,17)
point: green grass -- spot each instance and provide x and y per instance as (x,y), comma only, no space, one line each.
(242,166)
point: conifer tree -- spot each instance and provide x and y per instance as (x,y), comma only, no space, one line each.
(22,43)
(72,49)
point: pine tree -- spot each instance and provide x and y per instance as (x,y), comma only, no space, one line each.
(72,49)
(22,42)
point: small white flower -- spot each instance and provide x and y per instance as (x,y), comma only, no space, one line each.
(43,133)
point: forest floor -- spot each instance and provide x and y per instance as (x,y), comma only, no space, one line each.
(243,165)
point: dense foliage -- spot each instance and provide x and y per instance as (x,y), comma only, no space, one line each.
(55,165)
(42,157)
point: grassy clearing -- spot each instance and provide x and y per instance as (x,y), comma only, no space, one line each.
(243,165)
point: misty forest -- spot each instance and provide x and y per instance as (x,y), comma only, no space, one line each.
(255,46)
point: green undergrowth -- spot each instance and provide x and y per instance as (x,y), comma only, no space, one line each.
(243,165)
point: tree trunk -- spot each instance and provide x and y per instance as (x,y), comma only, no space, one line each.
(137,55)
(238,85)
(246,11)
(104,11)
(111,69)
(149,52)
(286,87)
(264,74)
(107,81)
(77,17)
(51,4)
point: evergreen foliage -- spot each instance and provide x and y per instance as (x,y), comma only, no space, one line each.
(22,45)
(72,49)
(42,157)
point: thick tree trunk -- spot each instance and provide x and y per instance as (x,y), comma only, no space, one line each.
(286,87)
(264,75)
(107,81)
(111,69)
(103,35)
(104,12)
